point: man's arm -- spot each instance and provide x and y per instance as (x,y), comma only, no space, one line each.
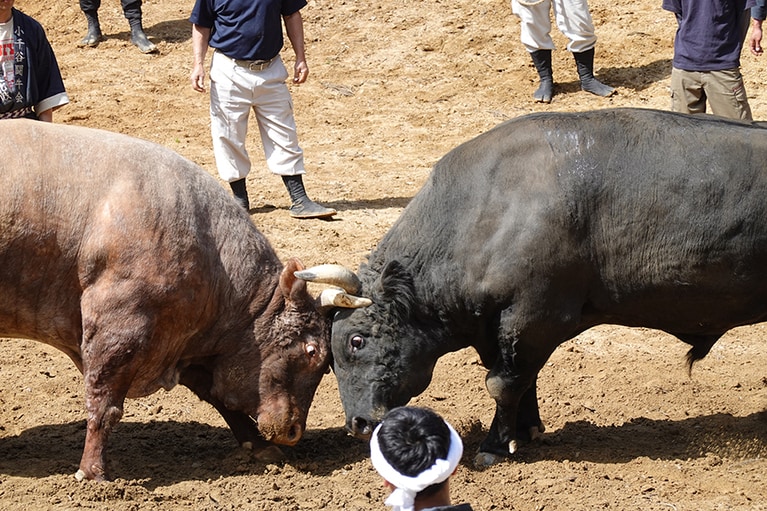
(755,41)
(758,13)
(200,39)
(294,26)
(46,116)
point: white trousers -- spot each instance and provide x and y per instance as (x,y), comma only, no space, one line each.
(572,17)
(234,91)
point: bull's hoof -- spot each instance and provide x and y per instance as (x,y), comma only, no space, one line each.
(487,459)
(271,454)
(484,459)
(526,433)
(536,432)
(80,475)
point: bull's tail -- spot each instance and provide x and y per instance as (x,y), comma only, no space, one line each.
(701,345)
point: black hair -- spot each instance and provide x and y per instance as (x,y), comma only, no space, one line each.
(411,439)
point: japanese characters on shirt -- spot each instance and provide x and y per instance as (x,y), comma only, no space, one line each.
(12,61)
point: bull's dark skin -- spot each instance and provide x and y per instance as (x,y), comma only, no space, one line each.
(546,226)
(138,265)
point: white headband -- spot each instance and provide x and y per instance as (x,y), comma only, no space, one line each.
(406,488)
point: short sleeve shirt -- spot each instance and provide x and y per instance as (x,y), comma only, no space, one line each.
(759,10)
(29,74)
(710,33)
(245,29)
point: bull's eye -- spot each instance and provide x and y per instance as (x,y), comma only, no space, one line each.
(311,350)
(356,342)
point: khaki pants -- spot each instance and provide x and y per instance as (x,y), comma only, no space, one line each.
(724,91)
(234,91)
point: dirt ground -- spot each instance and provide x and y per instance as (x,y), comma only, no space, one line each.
(394,85)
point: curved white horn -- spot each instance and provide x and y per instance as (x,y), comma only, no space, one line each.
(334,297)
(333,274)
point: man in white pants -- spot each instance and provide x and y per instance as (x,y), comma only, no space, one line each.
(574,21)
(247,73)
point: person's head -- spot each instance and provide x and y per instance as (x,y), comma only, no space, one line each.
(5,10)
(415,451)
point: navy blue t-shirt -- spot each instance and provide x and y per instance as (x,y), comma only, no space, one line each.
(710,33)
(245,29)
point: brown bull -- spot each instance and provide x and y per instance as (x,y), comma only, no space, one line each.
(138,265)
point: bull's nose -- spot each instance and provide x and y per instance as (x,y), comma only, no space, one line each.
(294,433)
(290,436)
(280,432)
(361,427)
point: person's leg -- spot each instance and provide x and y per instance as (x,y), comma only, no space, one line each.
(542,62)
(132,12)
(230,104)
(91,10)
(584,61)
(574,21)
(277,126)
(535,33)
(726,94)
(687,94)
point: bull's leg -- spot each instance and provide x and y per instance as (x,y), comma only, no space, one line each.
(108,370)
(200,381)
(512,381)
(529,424)
(507,389)
(503,439)
(115,349)
(105,409)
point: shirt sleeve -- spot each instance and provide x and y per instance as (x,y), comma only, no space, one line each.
(56,101)
(759,10)
(292,6)
(674,6)
(202,13)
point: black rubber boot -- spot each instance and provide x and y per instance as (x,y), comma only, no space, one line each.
(303,206)
(585,63)
(542,61)
(139,38)
(94,35)
(240,192)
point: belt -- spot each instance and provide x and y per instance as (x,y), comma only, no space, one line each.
(255,65)
(17,114)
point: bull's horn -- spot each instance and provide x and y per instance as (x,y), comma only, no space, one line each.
(334,297)
(333,274)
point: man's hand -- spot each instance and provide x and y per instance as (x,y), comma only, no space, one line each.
(198,78)
(755,41)
(300,72)
(200,38)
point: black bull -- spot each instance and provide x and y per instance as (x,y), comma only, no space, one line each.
(549,225)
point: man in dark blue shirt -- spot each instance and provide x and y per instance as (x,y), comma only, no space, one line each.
(246,72)
(706,65)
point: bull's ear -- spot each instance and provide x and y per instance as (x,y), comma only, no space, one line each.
(397,287)
(291,286)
